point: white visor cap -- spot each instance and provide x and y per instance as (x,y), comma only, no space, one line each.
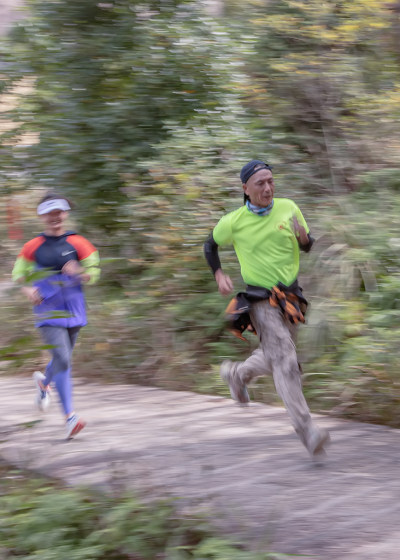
(55,204)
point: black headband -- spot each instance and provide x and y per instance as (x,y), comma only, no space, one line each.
(252,167)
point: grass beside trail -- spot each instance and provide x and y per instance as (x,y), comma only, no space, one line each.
(40,519)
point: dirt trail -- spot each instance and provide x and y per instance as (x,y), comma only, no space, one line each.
(244,467)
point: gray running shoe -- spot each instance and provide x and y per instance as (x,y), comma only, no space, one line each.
(317,443)
(42,398)
(236,386)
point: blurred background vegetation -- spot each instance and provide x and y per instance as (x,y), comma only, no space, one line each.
(143,113)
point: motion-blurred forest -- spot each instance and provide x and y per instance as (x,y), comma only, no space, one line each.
(143,113)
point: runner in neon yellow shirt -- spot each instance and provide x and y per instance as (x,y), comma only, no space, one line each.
(267,234)
(266,245)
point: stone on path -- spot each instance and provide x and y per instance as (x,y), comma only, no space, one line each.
(243,467)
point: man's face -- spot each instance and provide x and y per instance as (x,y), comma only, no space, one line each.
(260,188)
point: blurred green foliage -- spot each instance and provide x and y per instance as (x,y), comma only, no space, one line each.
(39,519)
(354,320)
(144,112)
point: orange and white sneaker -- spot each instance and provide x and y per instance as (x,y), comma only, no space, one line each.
(42,398)
(74,425)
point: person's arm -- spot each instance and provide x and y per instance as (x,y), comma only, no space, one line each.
(21,271)
(304,239)
(224,283)
(306,247)
(88,265)
(91,267)
(211,254)
(73,268)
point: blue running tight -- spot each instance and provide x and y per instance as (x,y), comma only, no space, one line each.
(59,368)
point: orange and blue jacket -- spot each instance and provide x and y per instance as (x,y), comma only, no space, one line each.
(40,263)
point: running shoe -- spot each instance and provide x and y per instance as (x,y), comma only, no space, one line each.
(74,425)
(319,440)
(237,388)
(42,398)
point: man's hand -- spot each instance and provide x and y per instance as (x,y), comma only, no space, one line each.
(300,232)
(225,285)
(73,268)
(32,294)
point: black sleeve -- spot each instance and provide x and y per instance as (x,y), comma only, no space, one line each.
(307,247)
(211,254)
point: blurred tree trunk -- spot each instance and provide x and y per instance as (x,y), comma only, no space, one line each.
(214,8)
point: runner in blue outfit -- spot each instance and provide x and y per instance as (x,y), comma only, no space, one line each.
(68,261)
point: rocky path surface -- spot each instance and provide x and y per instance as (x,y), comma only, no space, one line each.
(243,467)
